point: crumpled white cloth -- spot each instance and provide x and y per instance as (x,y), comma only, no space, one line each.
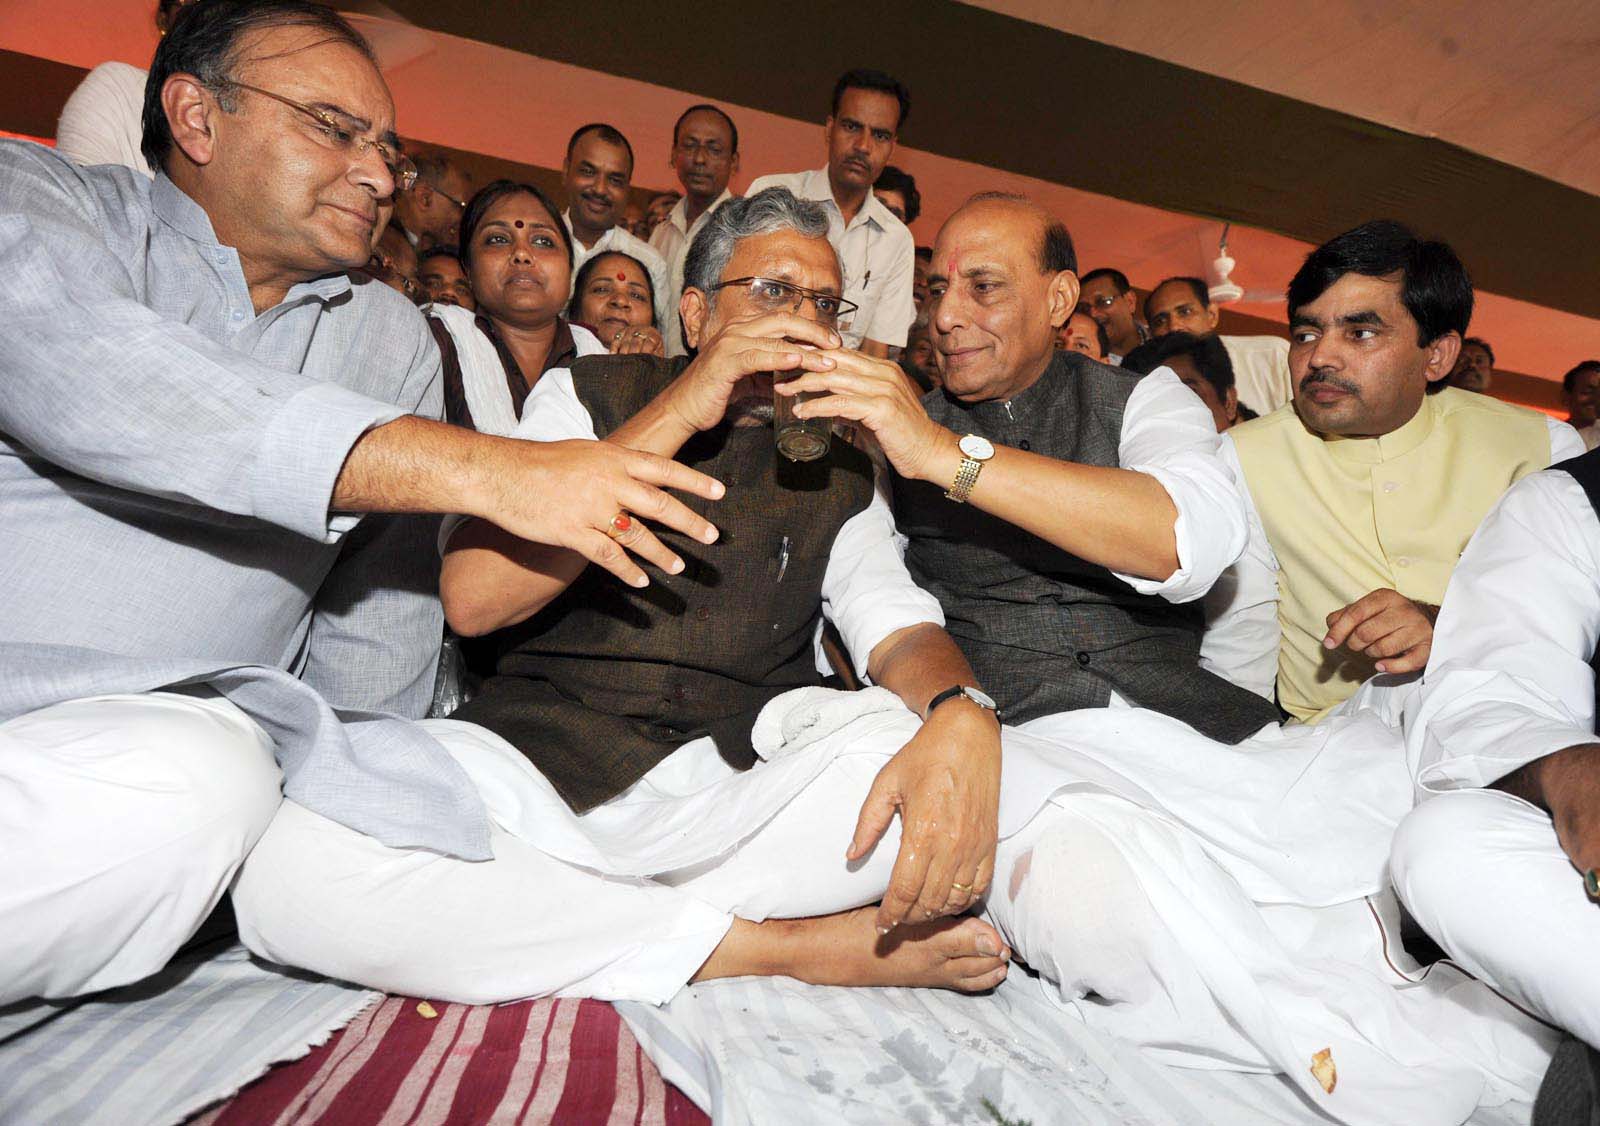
(796,720)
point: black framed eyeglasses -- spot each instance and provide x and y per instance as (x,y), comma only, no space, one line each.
(344,135)
(774,296)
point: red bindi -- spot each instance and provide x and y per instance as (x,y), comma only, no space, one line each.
(622,277)
(518,223)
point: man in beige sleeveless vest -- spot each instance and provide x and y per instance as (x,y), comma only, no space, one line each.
(1364,490)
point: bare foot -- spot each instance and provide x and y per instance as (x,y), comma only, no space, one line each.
(964,954)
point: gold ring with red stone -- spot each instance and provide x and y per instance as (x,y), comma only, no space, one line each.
(621,524)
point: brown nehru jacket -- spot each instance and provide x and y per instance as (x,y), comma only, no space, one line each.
(607,680)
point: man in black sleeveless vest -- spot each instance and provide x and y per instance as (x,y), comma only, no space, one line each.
(636,704)
(1500,863)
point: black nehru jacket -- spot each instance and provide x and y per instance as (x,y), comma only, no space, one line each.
(1045,631)
(607,680)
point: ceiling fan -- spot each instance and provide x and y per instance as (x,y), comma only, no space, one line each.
(1224,290)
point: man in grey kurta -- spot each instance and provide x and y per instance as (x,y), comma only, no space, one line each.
(193,393)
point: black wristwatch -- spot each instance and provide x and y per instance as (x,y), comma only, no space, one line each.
(976,695)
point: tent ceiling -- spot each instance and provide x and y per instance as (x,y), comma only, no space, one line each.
(1515,82)
(1002,92)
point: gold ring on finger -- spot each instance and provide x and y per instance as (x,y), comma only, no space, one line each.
(621,524)
(963,888)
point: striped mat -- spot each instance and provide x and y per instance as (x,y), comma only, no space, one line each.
(158,1051)
(552,1061)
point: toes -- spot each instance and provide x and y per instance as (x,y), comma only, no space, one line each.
(982,982)
(972,936)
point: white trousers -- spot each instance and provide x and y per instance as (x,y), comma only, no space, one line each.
(1485,875)
(1143,925)
(322,897)
(122,821)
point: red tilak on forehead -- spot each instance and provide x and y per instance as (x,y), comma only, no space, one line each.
(950,269)
(622,277)
(518,223)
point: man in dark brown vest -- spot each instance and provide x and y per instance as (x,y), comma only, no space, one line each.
(615,741)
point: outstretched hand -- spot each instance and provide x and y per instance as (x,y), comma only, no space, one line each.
(568,493)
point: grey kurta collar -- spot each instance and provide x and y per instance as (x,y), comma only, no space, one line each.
(173,207)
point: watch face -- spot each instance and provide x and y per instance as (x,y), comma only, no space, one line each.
(977,448)
(978,696)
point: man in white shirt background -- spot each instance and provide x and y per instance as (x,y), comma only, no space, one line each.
(1260,363)
(869,107)
(596,175)
(705,155)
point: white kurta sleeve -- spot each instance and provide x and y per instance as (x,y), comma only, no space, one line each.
(1242,632)
(551,413)
(1168,433)
(100,124)
(866,590)
(1509,679)
(1565,442)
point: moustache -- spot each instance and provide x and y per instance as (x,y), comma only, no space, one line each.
(1314,378)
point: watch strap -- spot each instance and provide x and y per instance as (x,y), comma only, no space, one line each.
(966,478)
(949,694)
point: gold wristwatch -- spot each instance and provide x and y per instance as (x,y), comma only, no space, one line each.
(975,450)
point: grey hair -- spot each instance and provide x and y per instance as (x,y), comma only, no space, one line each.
(775,209)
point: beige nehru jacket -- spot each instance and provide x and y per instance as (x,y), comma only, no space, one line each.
(1347,516)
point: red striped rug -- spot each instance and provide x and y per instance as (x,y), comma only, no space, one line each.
(556,1061)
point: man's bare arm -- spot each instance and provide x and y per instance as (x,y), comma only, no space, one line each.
(1118,518)
(1567,783)
(1121,519)
(559,493)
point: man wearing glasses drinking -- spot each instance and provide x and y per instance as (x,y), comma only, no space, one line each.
(615,743)
(200,406)
(430,210)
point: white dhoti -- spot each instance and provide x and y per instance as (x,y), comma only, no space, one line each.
(1207,901)
(122,820)
(1485,875)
